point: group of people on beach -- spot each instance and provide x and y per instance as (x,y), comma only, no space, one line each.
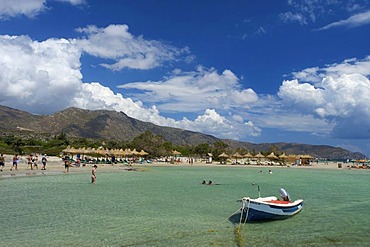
(31,162)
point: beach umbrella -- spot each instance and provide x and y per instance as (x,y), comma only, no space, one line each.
(142,153)
(175,152)
(305,159)
(128,152)
(259,156)
(223,155)
(134,152)
(102,151)
(115,152)
(120,152)
(67,149)
(272,156)
(236,156)
(71,150)
(248,155)
(283,156)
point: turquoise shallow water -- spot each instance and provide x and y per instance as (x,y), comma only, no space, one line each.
(167,206)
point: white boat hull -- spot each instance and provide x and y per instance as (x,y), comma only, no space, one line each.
(269,208)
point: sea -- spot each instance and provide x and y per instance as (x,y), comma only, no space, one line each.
(169,206)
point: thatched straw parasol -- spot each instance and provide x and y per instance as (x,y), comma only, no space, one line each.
(175,152)
(142,153)
(259,156)
(272,156)
(248,155)
(283,156)
(236,156)
(223,155)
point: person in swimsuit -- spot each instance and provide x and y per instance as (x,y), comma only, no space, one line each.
(66,163)
(2,162)
(15,162)
(93,174)
(43,161)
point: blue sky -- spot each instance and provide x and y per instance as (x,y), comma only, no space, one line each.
(256,71)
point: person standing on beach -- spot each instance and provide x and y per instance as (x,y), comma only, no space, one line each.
(34,162)
(29,161)
(66,163)
(43,161)
(15,162)
(2,162)
(93,174)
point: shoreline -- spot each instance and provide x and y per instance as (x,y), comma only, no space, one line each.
(55,166)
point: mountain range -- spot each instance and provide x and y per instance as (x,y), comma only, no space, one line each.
(113,125)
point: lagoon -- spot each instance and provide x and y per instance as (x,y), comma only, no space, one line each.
(168,206)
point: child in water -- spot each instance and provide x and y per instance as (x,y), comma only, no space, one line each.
(93,174)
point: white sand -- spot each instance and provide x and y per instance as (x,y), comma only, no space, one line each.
(56,165)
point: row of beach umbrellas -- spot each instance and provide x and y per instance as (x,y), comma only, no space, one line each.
(260,156)
(106,151)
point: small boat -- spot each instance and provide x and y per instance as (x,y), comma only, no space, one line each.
(269,208)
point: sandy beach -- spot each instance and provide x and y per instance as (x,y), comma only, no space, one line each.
(55,165)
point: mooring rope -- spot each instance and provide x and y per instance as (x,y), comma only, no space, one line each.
(246,216)
(242,211)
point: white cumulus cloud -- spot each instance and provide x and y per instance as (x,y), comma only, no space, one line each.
(29,8)
(38,75)
(195,91)
(14,8)
(339,98)
(45,76)
(116,44)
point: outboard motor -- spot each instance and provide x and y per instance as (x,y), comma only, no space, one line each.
(284,195)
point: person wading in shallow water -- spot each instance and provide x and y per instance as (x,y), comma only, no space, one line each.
(93,174)
(2,162)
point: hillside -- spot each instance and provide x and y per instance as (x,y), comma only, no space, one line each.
(112,125)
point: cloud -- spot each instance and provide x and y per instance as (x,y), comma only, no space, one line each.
(116,44)
(14,8)
(73,2)
(353,21)
(29,8)
(341,98)
(306,11)
(38,75)
(195,91)
(311,11)
(45,77)
(288,17)
(348,66)
(94,96)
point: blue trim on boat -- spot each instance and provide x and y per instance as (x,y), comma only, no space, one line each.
(255,215)
(258,215)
